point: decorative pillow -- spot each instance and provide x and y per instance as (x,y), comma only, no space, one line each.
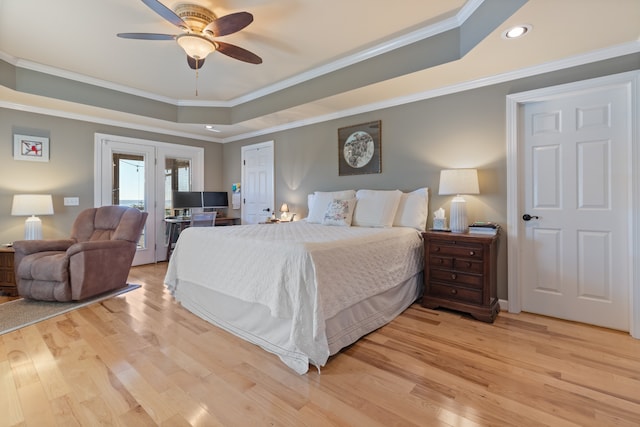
(339,212)
(321,200)
(376,208)
(413,210)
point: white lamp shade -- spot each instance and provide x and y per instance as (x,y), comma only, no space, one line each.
(458,181)
(284,208)
(32,204)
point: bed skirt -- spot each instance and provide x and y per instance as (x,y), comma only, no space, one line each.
(254,323)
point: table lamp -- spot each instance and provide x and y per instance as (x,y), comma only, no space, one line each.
(32,204)
(458,182)
(284,216)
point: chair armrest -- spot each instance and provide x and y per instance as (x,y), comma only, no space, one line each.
(26,247)
(99,266)
(97,245)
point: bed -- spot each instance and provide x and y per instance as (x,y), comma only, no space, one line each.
(304,290)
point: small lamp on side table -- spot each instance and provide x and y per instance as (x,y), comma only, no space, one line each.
(458,182)
(32,204)
(284,216)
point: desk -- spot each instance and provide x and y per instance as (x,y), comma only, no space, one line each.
(176,225)
(179,223)
(227,221)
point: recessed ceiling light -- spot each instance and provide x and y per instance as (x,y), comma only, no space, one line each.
(517,31)
(211,128)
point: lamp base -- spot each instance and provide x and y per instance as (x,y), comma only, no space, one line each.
(33,228)
(458,221)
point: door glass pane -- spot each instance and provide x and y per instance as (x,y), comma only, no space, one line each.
(128,184)
(177,177)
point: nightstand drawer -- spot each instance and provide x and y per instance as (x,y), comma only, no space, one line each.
(466,265)
(472,296)
(456,278)
(441,261)
(461,251)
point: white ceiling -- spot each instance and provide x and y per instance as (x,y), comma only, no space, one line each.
(298,40)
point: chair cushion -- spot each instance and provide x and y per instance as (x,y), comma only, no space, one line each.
(49,266)
(44,276)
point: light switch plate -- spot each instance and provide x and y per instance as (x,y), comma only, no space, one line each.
(71,201)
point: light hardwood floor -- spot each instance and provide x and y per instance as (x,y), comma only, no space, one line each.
(140,359)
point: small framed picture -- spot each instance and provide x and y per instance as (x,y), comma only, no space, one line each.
(359,149)
(30,148)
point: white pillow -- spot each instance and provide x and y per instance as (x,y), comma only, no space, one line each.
(310,198)
(413,210)
(376,208)
(339,212)
(321,200)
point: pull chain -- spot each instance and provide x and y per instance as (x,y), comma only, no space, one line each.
(197,68)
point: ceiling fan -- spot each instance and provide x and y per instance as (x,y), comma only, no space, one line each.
(199,28)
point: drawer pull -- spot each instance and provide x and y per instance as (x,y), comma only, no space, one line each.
(453,276)
(472,253)
(436,249)
(440,261)
(454,291)
(468,264)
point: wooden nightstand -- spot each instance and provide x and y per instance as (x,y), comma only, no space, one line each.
(7,274)
(460,273)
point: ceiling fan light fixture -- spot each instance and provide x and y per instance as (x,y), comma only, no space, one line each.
(196,46)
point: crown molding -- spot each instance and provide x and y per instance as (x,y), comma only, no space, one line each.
(577,60)
(156,128)
(420,34)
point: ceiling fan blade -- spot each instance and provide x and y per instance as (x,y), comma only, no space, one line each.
(146,36)
(195,64)
(229,24)
(166,13)
(238,53)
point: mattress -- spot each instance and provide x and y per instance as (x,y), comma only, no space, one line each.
(283,286)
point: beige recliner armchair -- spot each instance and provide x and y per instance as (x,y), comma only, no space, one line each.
(96,258)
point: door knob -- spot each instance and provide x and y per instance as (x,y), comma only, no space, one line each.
(528,217)
(266,210)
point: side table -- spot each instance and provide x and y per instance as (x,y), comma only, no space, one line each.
(460,273)
(7,273)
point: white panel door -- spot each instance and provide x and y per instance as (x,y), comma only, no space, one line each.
(576,190)
(257,183)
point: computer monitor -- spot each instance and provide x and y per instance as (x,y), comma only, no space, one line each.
(186,199)
(215,199)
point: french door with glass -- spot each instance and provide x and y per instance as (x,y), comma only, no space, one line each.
(143,174)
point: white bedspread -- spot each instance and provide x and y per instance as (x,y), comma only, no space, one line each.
(303,272)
